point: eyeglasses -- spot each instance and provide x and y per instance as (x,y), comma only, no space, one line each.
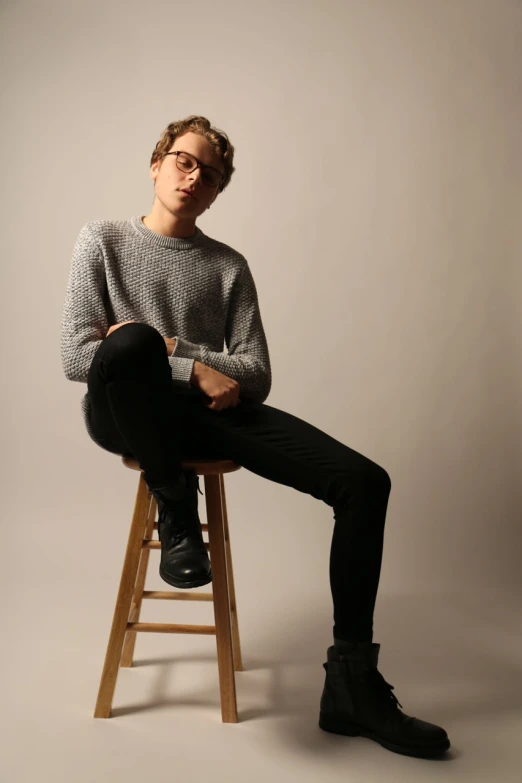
(186,162)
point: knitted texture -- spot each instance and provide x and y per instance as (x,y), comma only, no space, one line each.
(196,289)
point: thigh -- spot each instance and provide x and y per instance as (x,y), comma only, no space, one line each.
(280,447)
(133,350)
(102,421)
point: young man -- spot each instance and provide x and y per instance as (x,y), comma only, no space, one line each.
(150,303)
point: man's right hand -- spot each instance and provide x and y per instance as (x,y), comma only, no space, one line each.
(223,391)
(117,326)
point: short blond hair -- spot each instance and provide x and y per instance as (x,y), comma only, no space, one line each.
(198,124)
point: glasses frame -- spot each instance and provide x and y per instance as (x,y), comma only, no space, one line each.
(198,165)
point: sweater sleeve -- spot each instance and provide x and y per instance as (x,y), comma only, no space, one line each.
(84,318)
(248,360)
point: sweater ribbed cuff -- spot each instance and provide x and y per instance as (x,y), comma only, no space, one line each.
(186,350)
(181,369)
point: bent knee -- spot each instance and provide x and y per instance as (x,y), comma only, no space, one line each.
(133,345)
(135,336)
(371,477)
(367,479)
(377,477)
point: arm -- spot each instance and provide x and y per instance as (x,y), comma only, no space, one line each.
(248,360)
(84,318)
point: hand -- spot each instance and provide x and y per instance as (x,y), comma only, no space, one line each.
(170,342)
(223,391)
(117,326)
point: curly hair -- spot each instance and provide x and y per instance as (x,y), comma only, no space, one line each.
(201,125)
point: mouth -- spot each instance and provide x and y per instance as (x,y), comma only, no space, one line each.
(188,193)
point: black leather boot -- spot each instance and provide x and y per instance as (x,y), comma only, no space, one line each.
(357,700)
(184,559)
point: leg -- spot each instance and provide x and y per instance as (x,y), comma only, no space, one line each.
(283,448)
(356,698)
(134,408)
(123,605)
(137,410)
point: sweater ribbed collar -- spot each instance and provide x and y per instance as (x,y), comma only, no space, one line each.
(160,240)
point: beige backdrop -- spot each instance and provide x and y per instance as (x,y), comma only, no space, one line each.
(378,200)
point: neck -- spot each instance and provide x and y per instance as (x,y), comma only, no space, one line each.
(163,222)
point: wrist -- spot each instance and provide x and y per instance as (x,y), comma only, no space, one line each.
(196,370)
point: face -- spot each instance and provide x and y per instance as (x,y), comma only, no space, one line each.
(169,181)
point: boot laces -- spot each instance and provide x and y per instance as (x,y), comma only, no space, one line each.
(382,688)
(178,531)
(177,534)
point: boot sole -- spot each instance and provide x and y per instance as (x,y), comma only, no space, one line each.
(339,726)
(184,584)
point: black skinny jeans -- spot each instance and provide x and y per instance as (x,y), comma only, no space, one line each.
(136,409)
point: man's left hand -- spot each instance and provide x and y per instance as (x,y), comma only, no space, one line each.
(170,342)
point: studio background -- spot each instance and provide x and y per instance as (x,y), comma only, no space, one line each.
(378,200)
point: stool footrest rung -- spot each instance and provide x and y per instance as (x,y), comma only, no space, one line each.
(204,526)
(181,595)
(152,543)
(171,628)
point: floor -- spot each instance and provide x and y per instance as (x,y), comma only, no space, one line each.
(454,660)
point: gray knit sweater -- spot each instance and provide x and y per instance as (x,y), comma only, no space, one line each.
(196,289)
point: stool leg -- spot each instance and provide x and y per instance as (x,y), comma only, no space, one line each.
(238,663)
(123,602)
(134,616)
(221,599)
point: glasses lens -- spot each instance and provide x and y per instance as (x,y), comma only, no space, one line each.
(187,163)
(211,177)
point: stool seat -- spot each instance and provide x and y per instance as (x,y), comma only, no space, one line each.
(126,619)
(203,467)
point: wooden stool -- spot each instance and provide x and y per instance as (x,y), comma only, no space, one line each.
(125,623)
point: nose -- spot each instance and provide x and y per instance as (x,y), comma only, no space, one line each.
(196,174)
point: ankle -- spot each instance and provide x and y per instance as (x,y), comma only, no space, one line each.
(173,491)
(351,644)
(173,481)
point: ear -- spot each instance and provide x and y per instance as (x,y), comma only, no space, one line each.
(154,169)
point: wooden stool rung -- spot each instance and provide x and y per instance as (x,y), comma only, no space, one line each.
(181,595)
(171,628)
(151,543)
(204,527)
